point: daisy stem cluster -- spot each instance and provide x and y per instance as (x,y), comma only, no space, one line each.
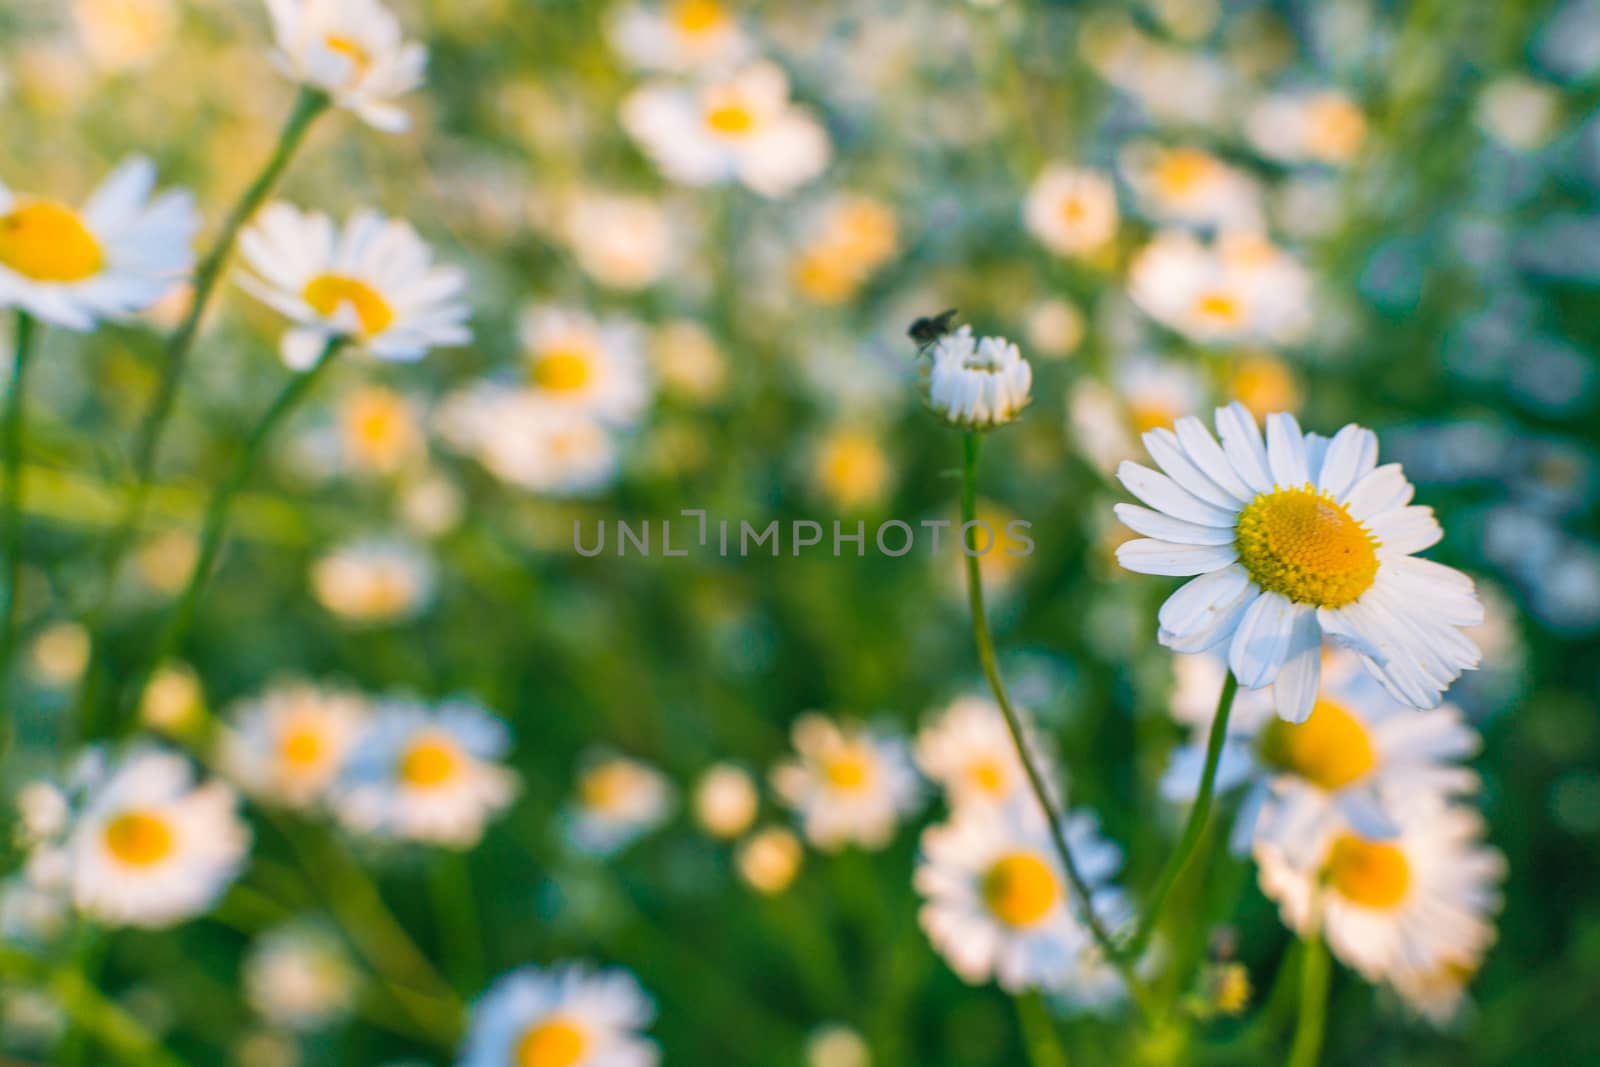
(991,672)
(1194,828)
(152,426)
(12,504)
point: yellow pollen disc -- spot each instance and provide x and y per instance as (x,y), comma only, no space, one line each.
(327,293)
(730,119)
(1073,211)
(553,1043)
(1219,307)
(359,58)
(988,776)
(1020,889)
(47,242)
(562,370)
(430,763)
(1368,873)
(848,769)
(695,17)
(1304,545)
(607,786)
(301,747)
(139,838)
(1180,171)
(1151,416)
(1331,749)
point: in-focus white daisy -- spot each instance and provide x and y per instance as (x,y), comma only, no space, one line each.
(619,800)
(1071,210)
(1145,393)
(374,580)
(1240,289)
(968,751)
(726,800)
(288,745)
(354,51)
(1357,746)
(1322,127)
(1193,187)
(298,976)
(625,242)
(978,384)
(678,36)
(849,784)
(569,1015)
(1398,911)
(741,128)
(119,254)
(997,904)
(1295,538)
(374,283)
(528,441)
(152,847)
(593,366)
(427,774)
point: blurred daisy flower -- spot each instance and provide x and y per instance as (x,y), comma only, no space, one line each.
(124,34)
(725,800)
(374,580)
(373,283)
(1295,538)
(1191,186)
(978,385)
(686,359)
(288,745)
(1241,288)
(1358,744)
(379,430)
(354,51)
(848,784)
(625,242)
(769,859)
(119,254)
(1145,393)
(528,441)
(968,751)
(1071,211)
(619,800)
(428,774)
(996,903)
(849,237)
(298,976)
(595,367)
(151,847)
(849,467)
(679,36)
(1320,127)
(741,128)
(564,1016)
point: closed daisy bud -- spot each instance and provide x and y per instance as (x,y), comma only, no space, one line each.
(976,384)
(769,860)
(353,51)
(725,801)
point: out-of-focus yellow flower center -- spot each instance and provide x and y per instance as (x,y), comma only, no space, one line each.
(139,838)
(1332,748)
(1230,989)
(430,763)
(301,747)
(1073,210)
(48,242)
(1337,129)
(376,425)
(988,775)
(1368,873)
(552,1043)
(1020,889)
(326,293)
(697,17)
(606,786)
(1181,171)
(730,118)
(360,59)
(1150,415)
(853,468)
(1304,545)
(849,769)
(563,370)
(1264,385)
(1219,306)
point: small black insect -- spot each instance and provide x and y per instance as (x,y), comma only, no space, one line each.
(927,330)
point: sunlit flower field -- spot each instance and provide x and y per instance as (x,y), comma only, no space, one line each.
(843,534)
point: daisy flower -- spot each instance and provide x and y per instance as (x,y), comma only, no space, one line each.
(997,903)
(1191,186)
(968,751)
(725,800)
(768,860)
(848,238)
(530,442)
(352,50)
(373,283)
(1071,211)
(379,430)
(1145,393)
(374,580)
(978,384)
(678,36)
(1293,539)
(152,847)
(625,242)
(569,1015)
(619,800)
(427,774)
(1357,746)
(1396,911)
(849,784)
(597,368)
(741,128)
(298,976)
(119,254)
(1321,127)
(1241,288)
(288,745)
(849,467)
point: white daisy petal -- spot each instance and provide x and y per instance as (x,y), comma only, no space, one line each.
(1352,454)
(1208,598)
(1148,556)
(1262,641)
(1286,451)
(1166,528)
(1163,494)
(1295,691)
(1242,444)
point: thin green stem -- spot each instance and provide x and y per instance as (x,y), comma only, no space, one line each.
(991,671)
(152,426)
(1315,975)
(1039,1032)
(1198,814)
(455,911)
(15,413)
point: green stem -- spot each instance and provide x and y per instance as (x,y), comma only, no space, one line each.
(455,911)
(991,671)
(147,442)
(1198,814)
(1315,975)
(12,503)
(1039,1032)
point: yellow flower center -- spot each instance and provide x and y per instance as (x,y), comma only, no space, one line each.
(552,1043)
(1181,171)
(607,786)
(731,119)
(1150,415)
(562,370)
(1368,873)
(1073,210)
(47,242)
(1337,129)
(327,293)
(848,770)
(1332,748)
(988,775)
(139,838)
(1220,307)
(359,57)
(1020,889)
(854,468)
(1304,545)
(301,747)
(696,17)
(430,763)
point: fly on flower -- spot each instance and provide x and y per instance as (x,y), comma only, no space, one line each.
(929,329)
